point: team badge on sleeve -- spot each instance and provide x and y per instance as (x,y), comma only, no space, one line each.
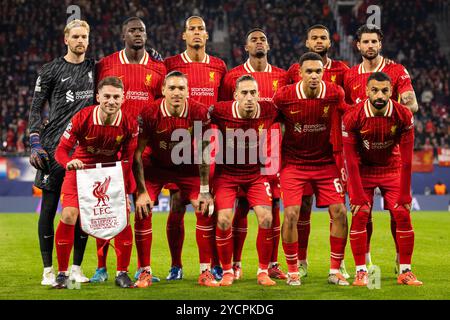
(66,133)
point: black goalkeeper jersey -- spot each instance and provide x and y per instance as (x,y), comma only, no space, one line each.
(68,88)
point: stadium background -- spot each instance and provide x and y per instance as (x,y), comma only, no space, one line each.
(415,35)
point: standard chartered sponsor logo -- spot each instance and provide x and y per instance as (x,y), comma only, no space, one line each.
(137,95)
(70,96)
(314,127)
(78,95)
(202,92)
(378,145)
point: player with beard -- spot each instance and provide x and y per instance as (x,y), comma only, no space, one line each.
(269,79)
(373,131)
(67,84)
(205,74)
(318,41)
(142,76)
(369,45)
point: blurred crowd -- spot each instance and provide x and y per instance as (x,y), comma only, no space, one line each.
(32,35)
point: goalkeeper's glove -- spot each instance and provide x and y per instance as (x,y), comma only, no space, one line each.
(155,55)
(39,157)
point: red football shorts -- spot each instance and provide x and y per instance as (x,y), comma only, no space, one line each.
(156,178)
(69,191)
(324,181)
(226,187)
(274,181)
(389,185)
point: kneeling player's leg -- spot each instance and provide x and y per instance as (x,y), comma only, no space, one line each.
(224,238)
(124,244)
(175,227)
(358,237)
(205,237)
(290,237)
(264,239)
(338,235)
(239,228)
(405,236)
(394,235)
(143,236)
(64,236)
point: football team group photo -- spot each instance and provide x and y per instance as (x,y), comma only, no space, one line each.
(225,150)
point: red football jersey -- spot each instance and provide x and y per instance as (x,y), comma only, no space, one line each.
(204,78)
(268,81)
(98,143)
(307,140)
(158,126)
(142,82)
(242,151)
(355,81)
(334,71)
(377,137)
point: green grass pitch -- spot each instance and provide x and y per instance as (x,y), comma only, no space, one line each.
(21,266)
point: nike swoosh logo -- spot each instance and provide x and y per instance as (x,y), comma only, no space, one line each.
(267,239)
(356,87)
(221,244)
(206,236)
(46,237)
(158,132)
(294,112)
(364,131)
(63,80)
(89,138)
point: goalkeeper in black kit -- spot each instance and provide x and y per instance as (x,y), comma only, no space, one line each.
(67,84)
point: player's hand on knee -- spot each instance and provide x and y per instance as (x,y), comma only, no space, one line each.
(206,203)
(75,164)
(404,202)
(39,157)
(143,205)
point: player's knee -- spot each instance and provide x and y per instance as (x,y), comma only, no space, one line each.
(266,221)
(339,214)
(223,222)
(291,217)
(69,215)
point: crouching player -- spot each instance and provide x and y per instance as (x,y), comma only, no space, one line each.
(101,131)
(161,122)
(373,132)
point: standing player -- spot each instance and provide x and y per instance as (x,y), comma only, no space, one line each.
(318,41)
(269,79)
(165,116)
(205,74)
(369,45)
(142,77)
(242,123)
(100,132)
(310,109)
(67,84)
(374,129)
